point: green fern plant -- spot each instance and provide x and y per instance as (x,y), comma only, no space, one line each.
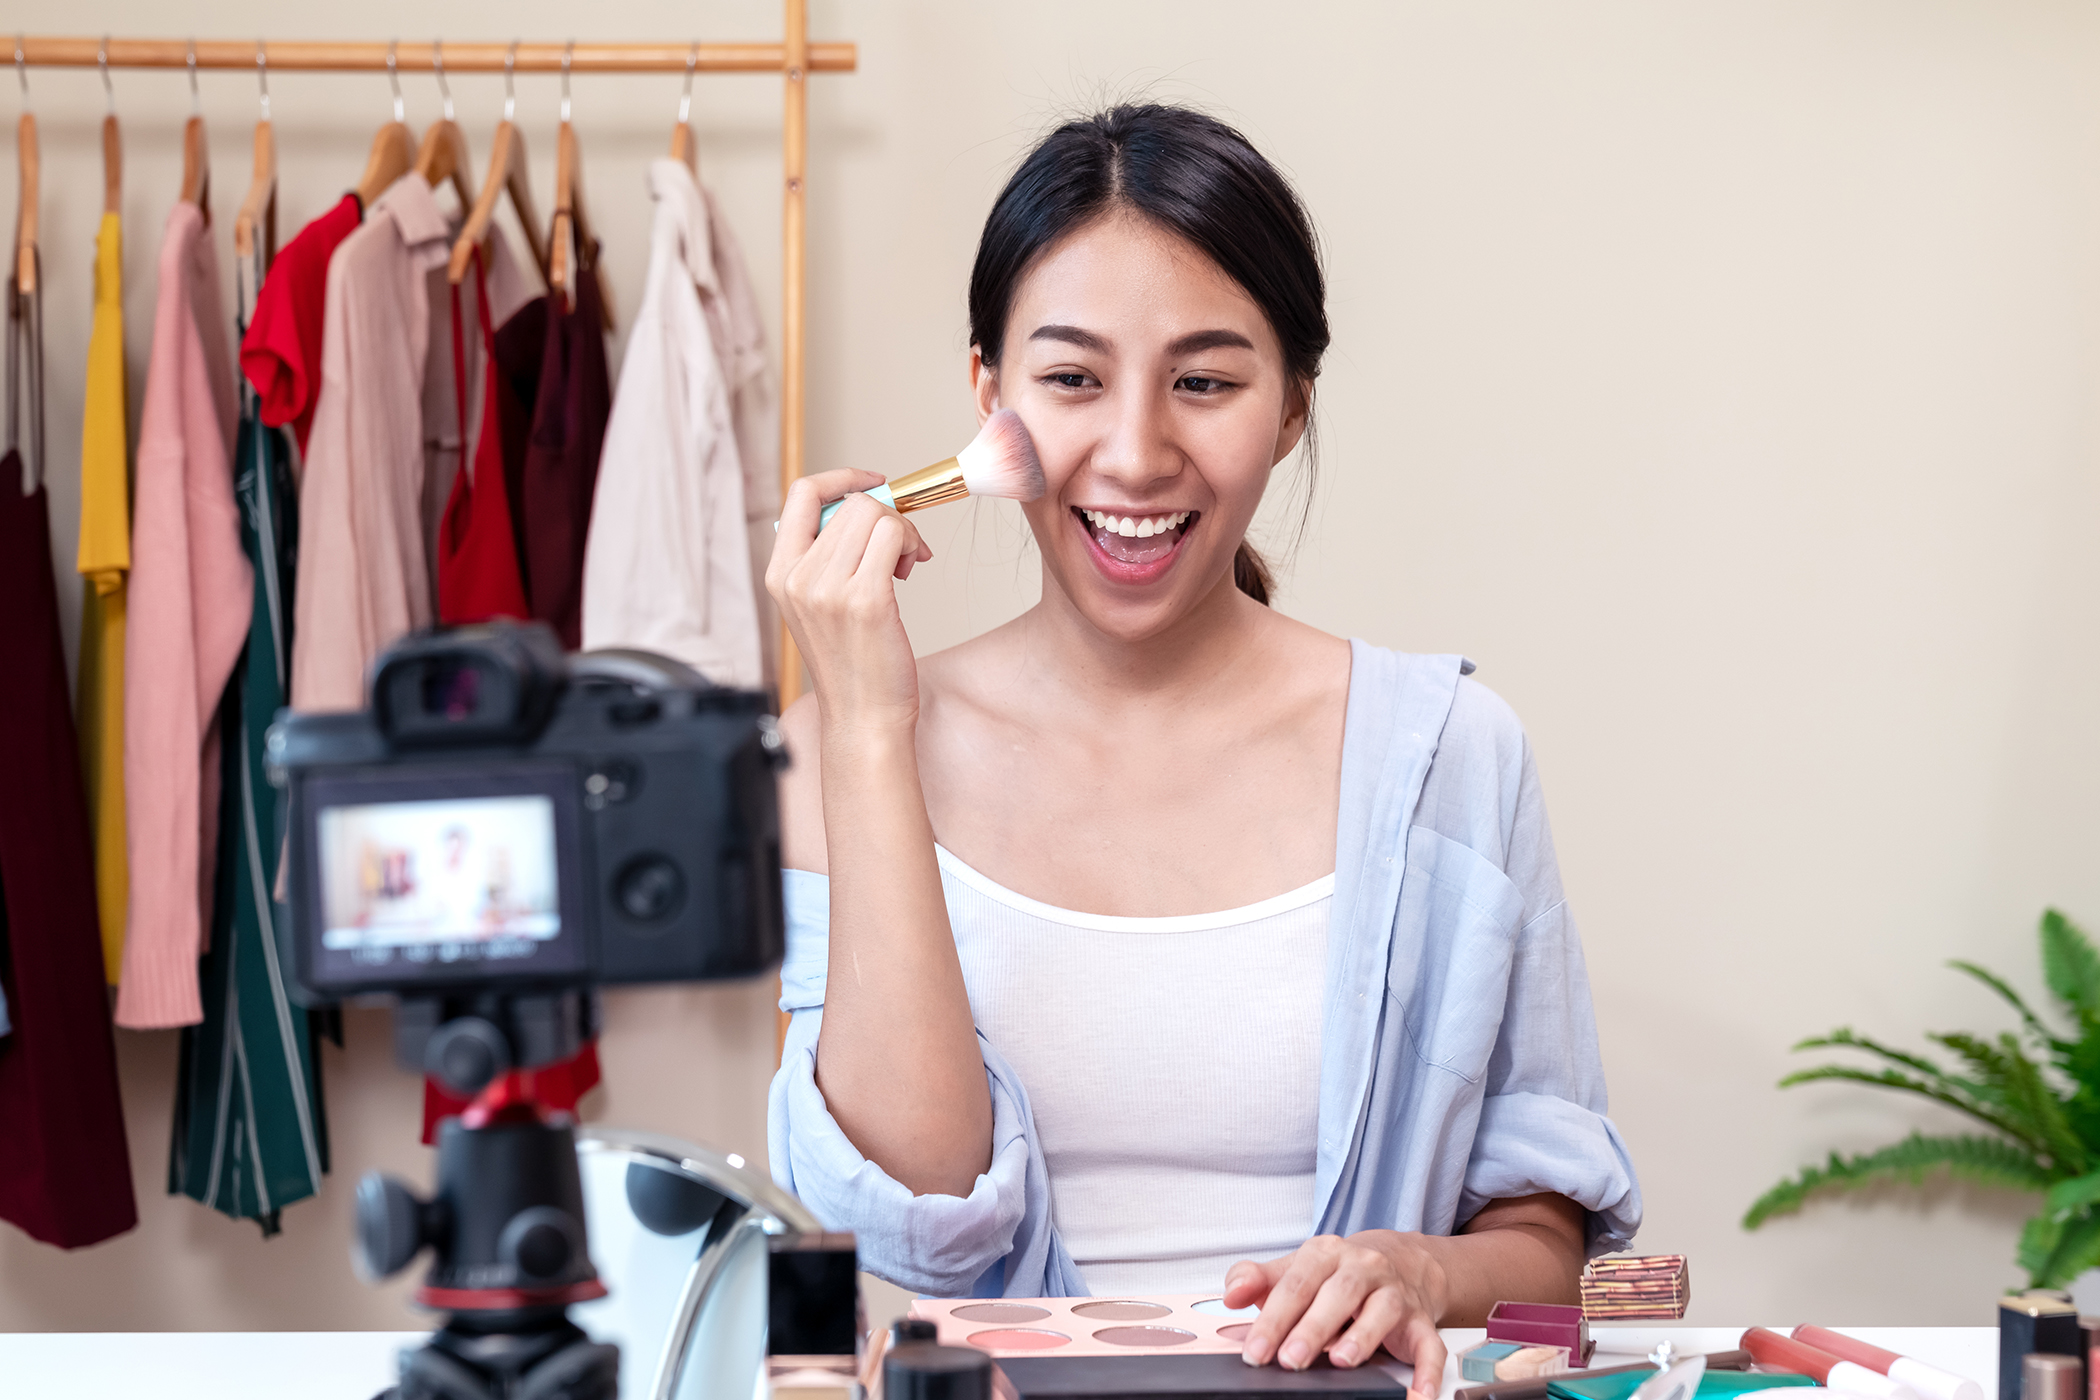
(2042,1109)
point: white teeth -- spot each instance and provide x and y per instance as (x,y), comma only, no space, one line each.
(1135,526)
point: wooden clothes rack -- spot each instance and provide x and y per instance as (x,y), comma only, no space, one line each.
(795,57)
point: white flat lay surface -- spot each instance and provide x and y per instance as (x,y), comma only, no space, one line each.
(358,1365)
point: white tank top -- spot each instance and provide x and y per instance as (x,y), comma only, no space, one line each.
(1173,1066)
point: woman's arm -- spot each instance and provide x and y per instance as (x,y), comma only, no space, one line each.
(897,1056)
(1347,1296)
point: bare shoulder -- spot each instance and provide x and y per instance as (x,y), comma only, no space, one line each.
(802,790)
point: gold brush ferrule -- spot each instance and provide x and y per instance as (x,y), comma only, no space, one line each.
(931,486)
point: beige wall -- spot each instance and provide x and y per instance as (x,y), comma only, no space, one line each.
(1719,377)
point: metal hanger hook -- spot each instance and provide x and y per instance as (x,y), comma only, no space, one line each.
(22,72)
(437,65)
(568,52)
(685,99)
(262,77)
(196,98)
(510,89)
(393,78)
(109,93)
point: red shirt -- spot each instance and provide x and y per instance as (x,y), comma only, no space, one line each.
(281,354)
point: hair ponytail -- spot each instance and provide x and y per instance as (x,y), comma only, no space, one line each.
(1250,573)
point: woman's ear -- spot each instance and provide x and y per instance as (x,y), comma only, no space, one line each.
(1297,409)
(984,384)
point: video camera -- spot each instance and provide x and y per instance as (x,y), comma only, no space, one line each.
(506,818)
(505,829)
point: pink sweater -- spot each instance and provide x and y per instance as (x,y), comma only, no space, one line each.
(192,590)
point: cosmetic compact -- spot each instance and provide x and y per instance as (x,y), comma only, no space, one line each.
(1163,1348)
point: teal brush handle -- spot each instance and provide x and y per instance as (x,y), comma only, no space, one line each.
(880,493)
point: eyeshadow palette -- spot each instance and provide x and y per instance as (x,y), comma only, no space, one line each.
(1177,1325)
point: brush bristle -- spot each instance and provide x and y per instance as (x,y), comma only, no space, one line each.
(1000,461)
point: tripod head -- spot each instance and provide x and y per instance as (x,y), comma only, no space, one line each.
(506,1224)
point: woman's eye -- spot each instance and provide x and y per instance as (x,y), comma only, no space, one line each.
(1200,384)
(1068,379)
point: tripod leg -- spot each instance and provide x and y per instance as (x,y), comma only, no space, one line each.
(579,1371)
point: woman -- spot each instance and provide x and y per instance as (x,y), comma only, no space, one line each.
(1123,1027)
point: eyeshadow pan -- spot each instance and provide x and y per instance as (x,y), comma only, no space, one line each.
(1121,1310)
(1237,1332)
(1216,1308)
(1001,1312)
(1142,1336)
(1020,1339)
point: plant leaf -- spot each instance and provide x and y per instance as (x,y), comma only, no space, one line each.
(1844,1037)
(2037,1242)
(2075,1194)
(2077,1249)
(1987,1161)
(2030,1095)
(2024,1134)
(2070,964)
(2002,988)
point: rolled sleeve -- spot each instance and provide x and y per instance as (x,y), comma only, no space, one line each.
(1529,1143)
(944,1246)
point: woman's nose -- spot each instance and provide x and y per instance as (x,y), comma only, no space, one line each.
(1138,448)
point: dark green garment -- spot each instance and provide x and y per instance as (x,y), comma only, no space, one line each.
(250,1137)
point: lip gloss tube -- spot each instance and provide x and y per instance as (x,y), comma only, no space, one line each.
(1769,1348)
(1930,1382)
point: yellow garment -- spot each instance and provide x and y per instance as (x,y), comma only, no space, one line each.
(105,558)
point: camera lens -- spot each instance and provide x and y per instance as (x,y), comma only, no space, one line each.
(650,888)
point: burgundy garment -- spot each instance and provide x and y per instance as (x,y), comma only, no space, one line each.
(65,1172)
(521,343)
(569,414)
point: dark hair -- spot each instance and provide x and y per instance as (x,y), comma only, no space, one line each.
(1194,176)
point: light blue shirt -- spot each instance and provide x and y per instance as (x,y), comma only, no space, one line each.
(1458,1050)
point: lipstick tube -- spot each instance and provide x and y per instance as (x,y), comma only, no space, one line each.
(1769,1348)
(1930,1382)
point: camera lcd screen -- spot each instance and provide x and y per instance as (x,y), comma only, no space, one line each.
(479,882)
(397,874)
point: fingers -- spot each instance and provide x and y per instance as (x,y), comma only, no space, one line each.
(799,513)
(1341,1294)
(1248,1282)
(1304,1270)
(1424,1346)
(1377,1316)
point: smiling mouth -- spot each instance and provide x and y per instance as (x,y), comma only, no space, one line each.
(1137,540)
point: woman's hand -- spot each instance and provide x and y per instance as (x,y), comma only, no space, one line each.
(1346,1297)
(837,589)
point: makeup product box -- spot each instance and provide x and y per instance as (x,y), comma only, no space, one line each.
(1510,1361)
(1543,1324)
(2033,1322)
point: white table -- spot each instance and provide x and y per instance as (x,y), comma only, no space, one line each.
(357,1365)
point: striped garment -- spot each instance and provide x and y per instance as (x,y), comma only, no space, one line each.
(250,1137)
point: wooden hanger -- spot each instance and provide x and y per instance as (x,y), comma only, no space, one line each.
(260,206)
(570,231)
(443,158)
(682,134)
(112,142)
(507,172)
(196,150)
(393,149)
(26,206)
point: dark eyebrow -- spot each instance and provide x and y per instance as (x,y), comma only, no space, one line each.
(1073,335)
(1196,342)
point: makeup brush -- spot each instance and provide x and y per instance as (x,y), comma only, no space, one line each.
(1000,461)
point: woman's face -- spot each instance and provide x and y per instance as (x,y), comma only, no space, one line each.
(1156,393)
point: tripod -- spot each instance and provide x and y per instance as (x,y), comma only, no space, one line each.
(506,1223)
